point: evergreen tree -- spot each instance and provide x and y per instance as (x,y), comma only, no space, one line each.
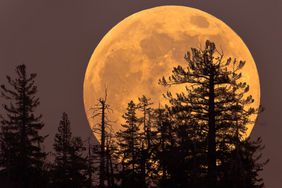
(70,166)
(22,157)
(146,138)
(90,164)
(243,167)
(239,163)
(129,148)
(62,145)
(79,166)
(243,161)
(162,148)
(179,148)
(214,106)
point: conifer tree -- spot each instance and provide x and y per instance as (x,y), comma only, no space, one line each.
(204,73)
(179,143)
(241,161)
(145,107)
(146,138)
(62,147)
(70,165)
(129,147)
(90,164)
(78,163)
(213,93)
(21,143)
(243,166)
(164,142)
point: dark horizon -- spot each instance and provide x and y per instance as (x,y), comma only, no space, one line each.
(52,38)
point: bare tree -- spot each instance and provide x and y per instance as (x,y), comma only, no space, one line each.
(101,128)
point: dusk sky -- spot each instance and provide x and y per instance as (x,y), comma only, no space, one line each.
(56,38)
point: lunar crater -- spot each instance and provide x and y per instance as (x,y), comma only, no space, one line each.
(200,21)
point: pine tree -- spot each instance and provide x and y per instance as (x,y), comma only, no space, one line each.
(70,165)
(178,147)
(243,166)
(62,147)
(129,148)
(164,142)
(146,138)
(145,107)
(204,72)
(21,143)
(90,164)
(78,167)
(242,161)
(214,106)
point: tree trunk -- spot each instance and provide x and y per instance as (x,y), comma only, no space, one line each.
(211,135)
(102,156)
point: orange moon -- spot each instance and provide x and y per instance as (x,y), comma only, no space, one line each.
(145,46)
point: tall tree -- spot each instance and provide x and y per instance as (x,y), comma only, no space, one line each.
(243,161)
(103,129)
(204,72)
(144,106)
(165,141)
(147,137)
(90,163)
(79,163)
(111,167)
(62,147)
(70,165)
(129,147)
(243,166)
(21,143)
(214,93)
(178,146)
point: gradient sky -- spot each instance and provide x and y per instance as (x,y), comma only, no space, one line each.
(55,38)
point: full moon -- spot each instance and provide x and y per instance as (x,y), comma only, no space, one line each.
(139,50)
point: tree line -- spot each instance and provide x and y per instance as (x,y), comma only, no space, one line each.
(196,140)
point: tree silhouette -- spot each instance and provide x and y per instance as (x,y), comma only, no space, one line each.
(243,167)
(90,163)
(214,106)
(238,161)
(20,139)
(70,166)
(164,148)
(196,140)
(129,147)
(111,159)
(147,137)
(103,129)
(62,147)
(78,163)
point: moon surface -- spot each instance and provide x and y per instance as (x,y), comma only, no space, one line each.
(145,46)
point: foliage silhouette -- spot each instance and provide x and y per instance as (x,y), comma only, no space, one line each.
(21,143)
(70,166)
(196,140)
